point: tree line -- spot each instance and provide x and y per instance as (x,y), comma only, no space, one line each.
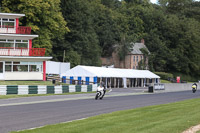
(89,29)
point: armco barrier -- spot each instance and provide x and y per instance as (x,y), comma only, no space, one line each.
(33,89)
(12,89)
(43,89)
(65,89)
(3,89)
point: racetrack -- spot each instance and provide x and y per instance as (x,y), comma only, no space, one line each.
(25,113)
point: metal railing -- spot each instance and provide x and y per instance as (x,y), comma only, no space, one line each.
(11,51)
(15,30)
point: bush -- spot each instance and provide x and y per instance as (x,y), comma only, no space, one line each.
(164,75)
(186,77)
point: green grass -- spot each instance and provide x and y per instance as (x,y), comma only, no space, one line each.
(26,83)
(164,81)
(166,118)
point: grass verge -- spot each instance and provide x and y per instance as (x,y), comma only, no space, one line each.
(166,118)
(27,83)
(164,81)
(32,95)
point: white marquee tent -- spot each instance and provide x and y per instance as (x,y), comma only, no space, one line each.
(102,72)
(91,71)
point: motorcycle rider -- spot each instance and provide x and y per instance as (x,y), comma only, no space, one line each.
(102,84)
(194,86)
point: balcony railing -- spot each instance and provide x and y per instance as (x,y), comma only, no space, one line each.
(5,51)
(15,30)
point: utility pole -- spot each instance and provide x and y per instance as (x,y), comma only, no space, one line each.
(64,56)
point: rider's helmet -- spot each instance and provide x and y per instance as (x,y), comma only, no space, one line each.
(194,85)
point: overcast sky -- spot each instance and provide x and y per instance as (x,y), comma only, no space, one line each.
(154,1)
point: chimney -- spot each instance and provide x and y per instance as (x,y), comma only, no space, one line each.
(142,41)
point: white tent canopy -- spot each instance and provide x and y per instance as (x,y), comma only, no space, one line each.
(91,71)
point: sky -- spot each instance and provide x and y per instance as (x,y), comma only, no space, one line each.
(155,1)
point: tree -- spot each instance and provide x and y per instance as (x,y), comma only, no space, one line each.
(175,6)
(82,38)
(105,26)
(143,64)
(130,27)
(43,16)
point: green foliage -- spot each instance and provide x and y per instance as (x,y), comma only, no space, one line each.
(164,75)
(82,38)
(143,64)
(99,27)
(73,57)
(105,25)
(165,81)
(186,77)
(44,17)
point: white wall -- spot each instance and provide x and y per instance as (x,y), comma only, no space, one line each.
(23,75)
(53,67)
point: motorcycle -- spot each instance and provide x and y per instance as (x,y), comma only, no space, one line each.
(100,93)
(194,88)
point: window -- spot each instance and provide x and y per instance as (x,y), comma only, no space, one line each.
(5,19)
(1,67)
(8,62)
(20,68)
(10,40)
(133,58)
(137,59)
(35,66)
(2,40)
(7,23)
(18,40)
(6,44)
(14,43)
(8,66)
(21,45)
(25,41)
(23,66)
(16,62)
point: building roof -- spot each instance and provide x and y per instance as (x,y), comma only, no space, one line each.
(91,71)
(136,48)
(25,58)
(17,36)
(11,15)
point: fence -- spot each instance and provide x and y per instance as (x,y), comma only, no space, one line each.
(11,51)
(15,30)
(43,89)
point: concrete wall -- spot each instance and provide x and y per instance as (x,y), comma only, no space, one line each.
(170,87)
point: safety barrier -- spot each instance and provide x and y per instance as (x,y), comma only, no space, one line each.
(44,89)
(159,87)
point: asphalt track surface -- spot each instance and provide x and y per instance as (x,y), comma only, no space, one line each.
(31,112)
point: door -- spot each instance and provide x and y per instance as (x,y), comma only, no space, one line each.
(1,70)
